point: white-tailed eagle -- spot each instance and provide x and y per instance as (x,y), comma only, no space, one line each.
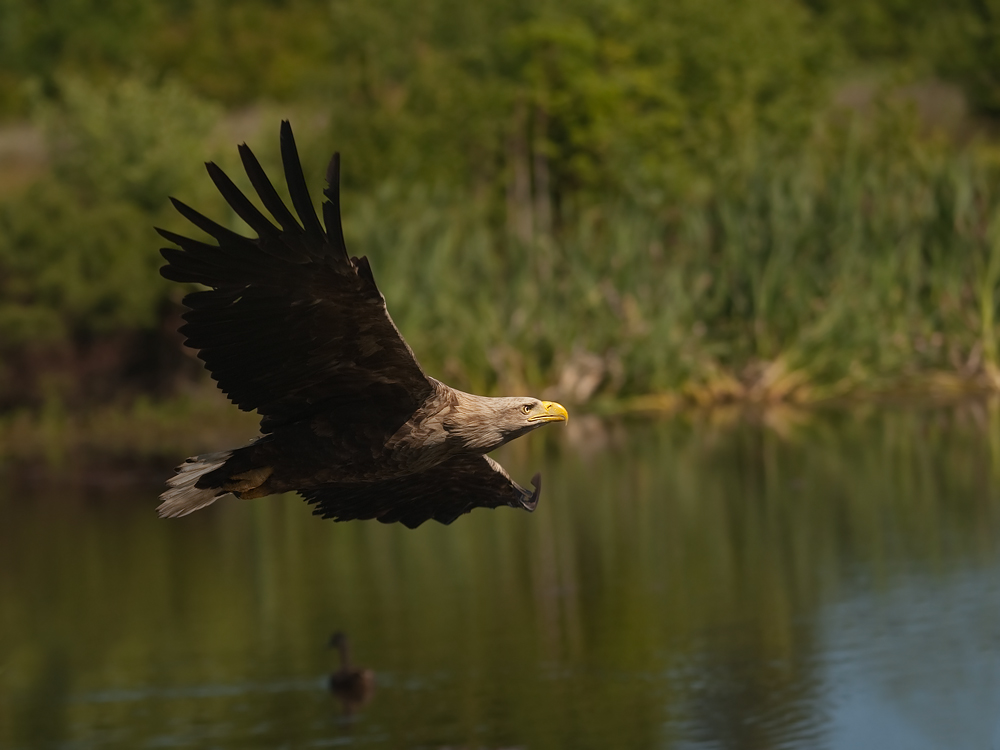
(293,327)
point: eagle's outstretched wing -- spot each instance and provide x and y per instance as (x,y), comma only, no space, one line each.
(443,493)
(290,323)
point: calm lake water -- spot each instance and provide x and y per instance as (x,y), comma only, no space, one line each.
(785,581)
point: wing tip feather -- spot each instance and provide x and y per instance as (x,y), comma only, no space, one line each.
(333,171)
(298,190)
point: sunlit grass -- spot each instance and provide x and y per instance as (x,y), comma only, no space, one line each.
(865,267)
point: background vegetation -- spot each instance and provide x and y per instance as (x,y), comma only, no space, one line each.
(670,202)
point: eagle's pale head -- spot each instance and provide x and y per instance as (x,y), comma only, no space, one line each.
(484,424)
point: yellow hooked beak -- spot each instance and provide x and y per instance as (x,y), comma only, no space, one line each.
(553,413)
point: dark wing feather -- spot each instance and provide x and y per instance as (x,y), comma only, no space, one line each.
(443,493)
(290,323)
(298,190)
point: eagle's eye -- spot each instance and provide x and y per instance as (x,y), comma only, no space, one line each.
(526,408)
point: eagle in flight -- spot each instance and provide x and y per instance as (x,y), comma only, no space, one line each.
(293,327)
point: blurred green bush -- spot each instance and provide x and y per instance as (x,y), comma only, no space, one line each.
(78,255)
(634,94)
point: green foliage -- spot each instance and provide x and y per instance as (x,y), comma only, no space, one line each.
(127,142)
(605,98)
(77,251)
(865,262)
(67,267)
(654,185)
(442,91)
(50,38)
(237,53)
(959,40)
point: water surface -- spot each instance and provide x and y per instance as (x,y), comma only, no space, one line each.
(780,581)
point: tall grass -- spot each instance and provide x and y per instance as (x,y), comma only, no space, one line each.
(867,265)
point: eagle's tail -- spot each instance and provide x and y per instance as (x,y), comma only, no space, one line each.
(183,495)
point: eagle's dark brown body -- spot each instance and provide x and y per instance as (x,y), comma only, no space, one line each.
(295,328)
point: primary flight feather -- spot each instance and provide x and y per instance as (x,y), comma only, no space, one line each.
(293,327)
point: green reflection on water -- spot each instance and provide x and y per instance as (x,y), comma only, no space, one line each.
(667,592)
